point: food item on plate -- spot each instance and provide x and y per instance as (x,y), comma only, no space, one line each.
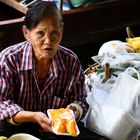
(63,121)
(71,127)
(59,124)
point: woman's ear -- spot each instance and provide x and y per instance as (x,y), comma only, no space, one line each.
(25,32)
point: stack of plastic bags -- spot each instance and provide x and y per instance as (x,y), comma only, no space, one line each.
(115,104)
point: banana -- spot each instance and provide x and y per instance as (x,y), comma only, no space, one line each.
(134,43)
(3,138)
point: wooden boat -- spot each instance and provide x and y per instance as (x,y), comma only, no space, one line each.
(85,29)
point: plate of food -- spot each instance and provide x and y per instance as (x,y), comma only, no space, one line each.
(64,122)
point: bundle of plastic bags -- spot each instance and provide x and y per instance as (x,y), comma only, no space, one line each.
(114,105)
(117,116)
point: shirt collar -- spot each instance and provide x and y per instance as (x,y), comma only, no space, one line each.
(28,60)
(58,62)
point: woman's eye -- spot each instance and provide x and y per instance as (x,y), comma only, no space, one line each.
(54,34)
(40,34)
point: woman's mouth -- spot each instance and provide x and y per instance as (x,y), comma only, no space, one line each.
(48,49)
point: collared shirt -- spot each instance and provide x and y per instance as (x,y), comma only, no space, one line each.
(19,88)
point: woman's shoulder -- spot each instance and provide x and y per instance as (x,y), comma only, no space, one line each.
(67,52)
(12,50)
(68,57)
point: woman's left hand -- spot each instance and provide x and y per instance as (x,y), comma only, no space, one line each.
(75,111)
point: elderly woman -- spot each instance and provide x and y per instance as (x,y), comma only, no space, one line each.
(39,74)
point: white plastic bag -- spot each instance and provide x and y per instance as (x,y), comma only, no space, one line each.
(114,123)
(126,93)
(113,47)
(118,116)
(101,89)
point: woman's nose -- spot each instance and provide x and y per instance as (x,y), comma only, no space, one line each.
(47,39)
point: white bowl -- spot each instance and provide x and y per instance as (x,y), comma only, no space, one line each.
(23,136)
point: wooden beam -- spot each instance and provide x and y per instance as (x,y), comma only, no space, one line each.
(15,4)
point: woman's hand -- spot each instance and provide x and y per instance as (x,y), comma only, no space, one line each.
(75,111)
(45,123)
(36,117)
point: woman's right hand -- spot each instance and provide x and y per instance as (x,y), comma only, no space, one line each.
(36,117)
(42,119)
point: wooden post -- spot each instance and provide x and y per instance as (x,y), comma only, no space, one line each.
(129,32)
(107,72)
(60,5)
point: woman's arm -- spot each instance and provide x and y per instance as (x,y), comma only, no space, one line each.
(78,92)
(35,117)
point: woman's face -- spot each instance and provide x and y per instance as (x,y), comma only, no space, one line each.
(45,37)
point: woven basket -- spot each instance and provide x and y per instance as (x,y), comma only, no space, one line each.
(94,67)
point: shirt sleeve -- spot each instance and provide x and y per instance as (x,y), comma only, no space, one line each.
(7,78)
(78,87)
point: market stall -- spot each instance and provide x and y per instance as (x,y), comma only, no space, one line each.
(85,28)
